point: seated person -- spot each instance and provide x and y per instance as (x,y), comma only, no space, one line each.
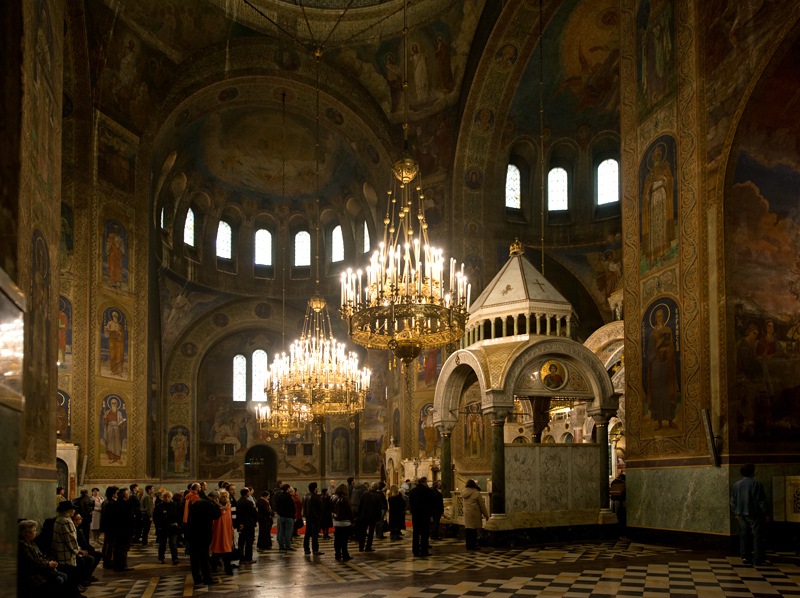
(35,572)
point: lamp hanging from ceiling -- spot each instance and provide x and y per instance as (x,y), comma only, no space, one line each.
(318,375)
(406,300)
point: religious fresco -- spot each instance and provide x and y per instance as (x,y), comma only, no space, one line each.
(34,444)
(339,458)
(64,335)
(45,121)
(655,60)
(429,364)
(762,228)
(66,240)
(581,84)
(136,46)
(116,256)
(661,369)
(113,447)
(179,460)
(429,435)
(116,157)
(179,392)
(553,375)
(64,416)
(373,422)
(658,207)
(437,56)
(183,302)
(114,360)
(474,431)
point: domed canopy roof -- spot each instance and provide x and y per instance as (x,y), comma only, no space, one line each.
(519,288)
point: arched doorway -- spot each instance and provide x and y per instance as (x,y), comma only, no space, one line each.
(261,468)
(62,475)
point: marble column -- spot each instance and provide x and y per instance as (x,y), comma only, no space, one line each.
(569,326)
(549,322)
(446,430)
(498,419)
(516,325)
(538,323)
(527,323)
(493,329)
(481,326)
(601,417)
(558,326)
(505,326)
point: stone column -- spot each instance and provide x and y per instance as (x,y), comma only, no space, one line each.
(481,326)
(549,323)
(505,326)
(558,326)
(498,419)
(569,326)
(446,430)
(601,417)
(493,329)
(538,323)
(516,325)
(528,323)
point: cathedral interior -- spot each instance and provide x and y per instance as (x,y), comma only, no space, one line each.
(184,184)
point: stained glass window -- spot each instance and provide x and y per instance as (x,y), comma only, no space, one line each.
(513,188)
(302,249)
(337,245)
(263,247)
(366,238)
(260,367)
(607,182)
(224,240)
(188,228)
(240,378)
(557,190)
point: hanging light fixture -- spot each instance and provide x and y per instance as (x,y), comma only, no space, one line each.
(406,300)
(282,415)
(318,376)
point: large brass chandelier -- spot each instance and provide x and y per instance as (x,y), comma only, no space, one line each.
(317,376)
(405,301)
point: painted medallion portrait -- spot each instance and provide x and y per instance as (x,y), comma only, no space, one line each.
(553,375)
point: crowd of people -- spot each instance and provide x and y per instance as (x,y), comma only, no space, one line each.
(217,528)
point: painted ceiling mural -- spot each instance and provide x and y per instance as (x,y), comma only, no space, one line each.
(581,83)
(762,232)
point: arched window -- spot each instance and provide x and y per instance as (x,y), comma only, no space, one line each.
(557,190)
(224,240)
(567,438)
(302,249)
(337,245)
(188,228)
(263,247)
(366,238)
(162,218)
(260,368)
(607,182)
(240,378)
(513,188)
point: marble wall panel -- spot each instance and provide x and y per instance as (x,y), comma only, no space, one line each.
(554,461)
(584,482)
(522,479)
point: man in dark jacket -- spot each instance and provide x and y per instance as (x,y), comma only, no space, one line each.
(369,512)
(247,519)
(106,528)
(420,502)
(358,530)
(312,510)
(85,510)
(749,504)
(284,506)
(123,527)
(136,507)
(264,512)
(438,510)
(202,514)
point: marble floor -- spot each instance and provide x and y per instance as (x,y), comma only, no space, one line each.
(581,570)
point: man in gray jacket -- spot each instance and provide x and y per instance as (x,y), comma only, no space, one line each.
(749,504)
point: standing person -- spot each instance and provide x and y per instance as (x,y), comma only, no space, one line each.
(617,495)
(420,501)
(397,513)
(277,490)
(222,535)
(331,489)
(167,518)
(342,519)
(284,506)
(369,512)
(86,510)
(264,510)
(312,509)
(148,504)
(298,513)
(35,572)
(247,519)
(106,528)
(188,498)
(136,508)
(327,518)
(749,504)
(380,530)
(438,510)
(357,532)
(123,527)
(350,486)
(65,549)
(231,489)
(96,509)
(474,509)
(202,514)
